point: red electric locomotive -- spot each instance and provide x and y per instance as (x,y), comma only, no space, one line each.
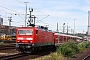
(31,38)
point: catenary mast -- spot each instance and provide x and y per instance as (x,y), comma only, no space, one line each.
(88,23)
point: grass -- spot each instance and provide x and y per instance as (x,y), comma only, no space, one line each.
(52,56)
(65,51)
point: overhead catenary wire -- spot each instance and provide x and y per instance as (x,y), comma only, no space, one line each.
(11,10)
(20,2)
(24,4)
(37,10)
(17,12)
(8,9)
(42,18)
(20,16)
(33,8)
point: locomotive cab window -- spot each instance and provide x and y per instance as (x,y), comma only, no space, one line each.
(25,32)
(36,32)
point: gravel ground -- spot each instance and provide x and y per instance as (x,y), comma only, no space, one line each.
(8,52)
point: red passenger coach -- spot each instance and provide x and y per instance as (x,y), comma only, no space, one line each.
(62,38)
(31,38)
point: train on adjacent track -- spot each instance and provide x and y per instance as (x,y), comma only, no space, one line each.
(35,38)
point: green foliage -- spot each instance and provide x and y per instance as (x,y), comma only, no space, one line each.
(83,45)
(67,49)
(73,46)
(70,48)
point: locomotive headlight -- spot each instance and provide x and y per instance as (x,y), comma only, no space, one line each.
(31,41)
(20,38)
(18,41)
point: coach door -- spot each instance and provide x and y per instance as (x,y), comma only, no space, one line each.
(58,39)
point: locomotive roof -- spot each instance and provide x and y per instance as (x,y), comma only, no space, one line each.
(38,28)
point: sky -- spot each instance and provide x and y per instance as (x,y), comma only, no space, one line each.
(74,13)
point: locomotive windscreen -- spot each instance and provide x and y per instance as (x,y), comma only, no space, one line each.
(25,32)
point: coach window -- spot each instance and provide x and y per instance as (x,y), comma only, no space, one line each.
(36,32)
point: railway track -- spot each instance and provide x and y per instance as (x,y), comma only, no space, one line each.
(87,57)
(7,47)
(26,56)
(22,56)
(10,57)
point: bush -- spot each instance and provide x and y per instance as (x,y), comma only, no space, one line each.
(70,48)
(83,45)
(67,49)
(73,46)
